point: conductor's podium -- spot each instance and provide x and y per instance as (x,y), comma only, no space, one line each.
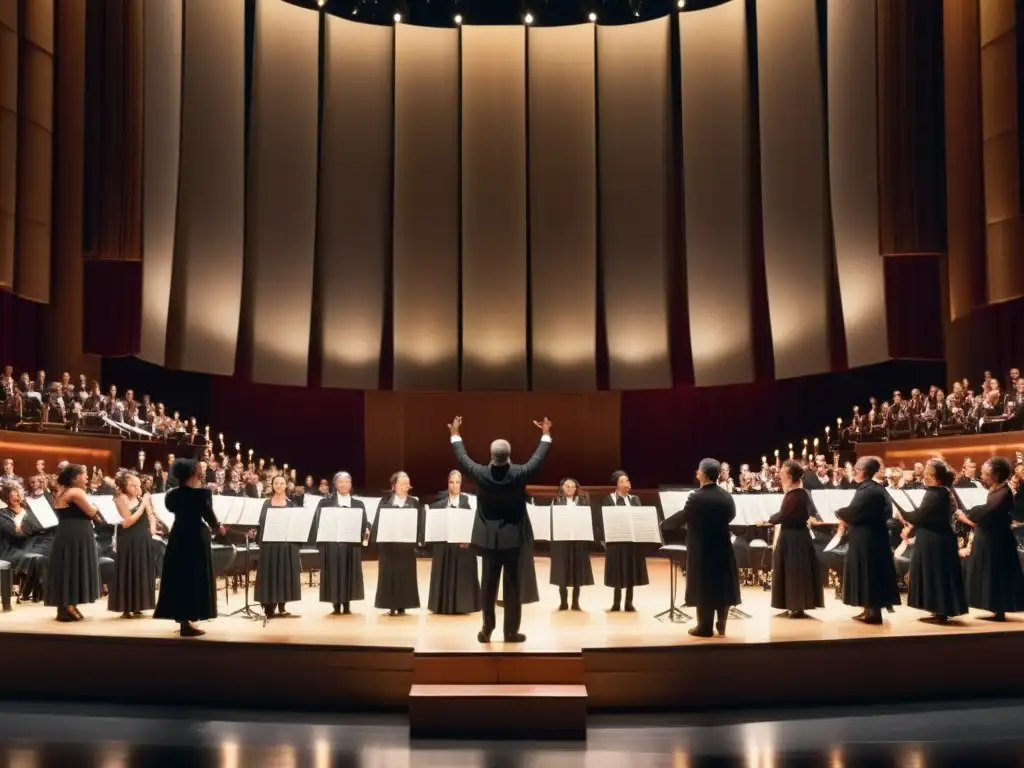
(498,696)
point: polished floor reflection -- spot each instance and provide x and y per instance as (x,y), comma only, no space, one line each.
(976,734)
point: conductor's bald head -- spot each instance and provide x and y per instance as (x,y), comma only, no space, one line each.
(500,452)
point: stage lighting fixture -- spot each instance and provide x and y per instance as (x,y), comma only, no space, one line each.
(398,18)
(681,4)
(458,18)
(593,16)
(528,18)
(321,3)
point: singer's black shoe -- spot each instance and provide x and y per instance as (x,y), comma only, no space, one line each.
(515,637)
(483,636)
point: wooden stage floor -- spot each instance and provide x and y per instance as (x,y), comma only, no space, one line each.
(548,630)
(369,661)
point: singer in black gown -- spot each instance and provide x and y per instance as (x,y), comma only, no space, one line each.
(397,584)
(570,560)
(278,580)
(133,589)
(454,575)
(188,590)
(796,571)
(74,573)
(869,575)
(341,575)
(936,576)
(625,566)
(994,578)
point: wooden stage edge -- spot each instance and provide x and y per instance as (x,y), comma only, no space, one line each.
(627,662)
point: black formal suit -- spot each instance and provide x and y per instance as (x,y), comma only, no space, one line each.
(712,578)
(501,528)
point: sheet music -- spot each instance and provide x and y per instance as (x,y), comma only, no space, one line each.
(540,520)
(672,501)
(251,511)
(916,497)
(158,500)
(275,526)
(631,524)
(472,501)
(311,501)
(372,503)
(900,499)
(823,501)
(460,526)
(834,543)
(224,507)
(435,525)
(341,525)
(971,497)
(299,524)
(107,508)
(42,511)
(571,523)
(398,526)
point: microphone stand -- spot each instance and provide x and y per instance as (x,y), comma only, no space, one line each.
(246,611)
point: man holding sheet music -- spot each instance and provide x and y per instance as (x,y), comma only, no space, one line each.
(501,527)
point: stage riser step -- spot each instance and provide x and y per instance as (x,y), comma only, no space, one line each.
(491,669)
(497,711)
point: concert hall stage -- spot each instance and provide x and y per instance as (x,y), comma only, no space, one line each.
(595,660)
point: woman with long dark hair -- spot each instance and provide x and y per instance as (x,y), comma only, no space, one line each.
(133,589)
(188,590)
(74,572)
(936,576)
(570,560)
(796,572)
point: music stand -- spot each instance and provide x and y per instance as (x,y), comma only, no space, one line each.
(675,553)
(246,611)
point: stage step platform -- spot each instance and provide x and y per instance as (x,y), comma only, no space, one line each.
(495,694)
(498,712)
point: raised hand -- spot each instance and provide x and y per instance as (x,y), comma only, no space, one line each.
(455,425)
(544,425)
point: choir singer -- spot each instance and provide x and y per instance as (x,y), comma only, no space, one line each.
(502,527)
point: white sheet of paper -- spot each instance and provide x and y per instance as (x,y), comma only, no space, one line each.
(900,499)
(771,503)
(107,508)
(435,525)
(299,524)
(225,506)
(43,512)
(540,521)
(834,543)
(673,501)
(916,497)
(644,521)
(371,503)
(571,523)
(275,525)
(460,525)
(160,510)
(342,525)
(397,526)
(311,501)
(251,511)
(472,501)
(971,497)
(617,527)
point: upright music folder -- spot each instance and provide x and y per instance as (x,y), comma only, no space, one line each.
(340,525)
(449,524)
(571,523)
(107,508)
(42,512)
(638,525)
(540,521)
(287,524)
(397,525)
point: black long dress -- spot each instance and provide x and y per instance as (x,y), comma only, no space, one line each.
(869,576)
(188,590)
(133,588)
(397,585)
(341,574)
(624,562)
(936,575)
(570,560)
(454,576)
(994,579)
(278,579)
(73,576)
(796,570)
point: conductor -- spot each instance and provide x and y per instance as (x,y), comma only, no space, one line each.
(501,527)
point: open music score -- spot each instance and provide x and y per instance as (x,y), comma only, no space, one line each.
(572,523)
(449,524)
(900,499)
(540,521)
(756,508)
(42,512)
(287,524)
(160,510)
(340,525)
(971,497)
(673,501)
(372,503)
(398,526)
(638,525)
(916,496)
(827,503)
(107,508)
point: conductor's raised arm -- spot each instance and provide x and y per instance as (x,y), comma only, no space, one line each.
(461,455)
(541,451)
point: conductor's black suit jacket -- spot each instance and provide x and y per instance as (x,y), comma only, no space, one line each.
(501,519)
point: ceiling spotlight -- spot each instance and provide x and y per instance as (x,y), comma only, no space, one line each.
(528,18)
(593,16)
(458,18)
(321,3)
(636,13)
(681,4)
(355,11)
(398,18)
